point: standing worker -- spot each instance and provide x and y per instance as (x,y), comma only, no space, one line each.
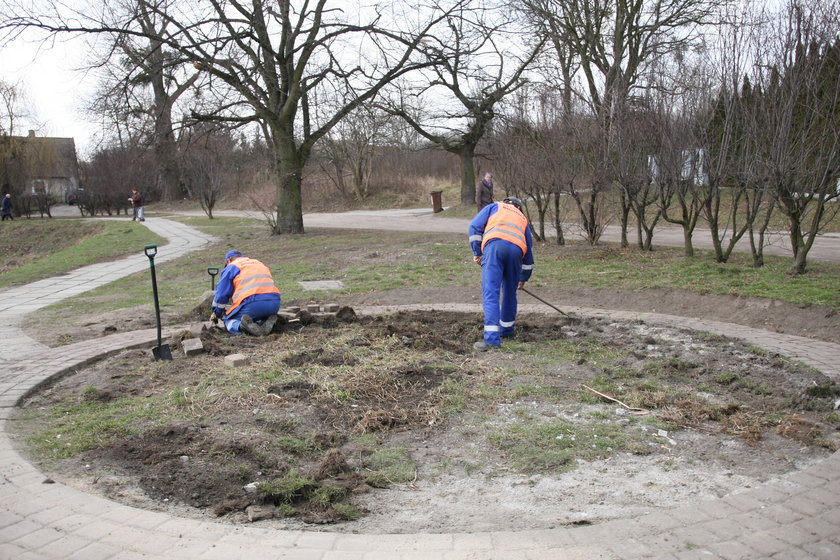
(500,239)
(7,207)
(246,296)
(484,191)
(136,200)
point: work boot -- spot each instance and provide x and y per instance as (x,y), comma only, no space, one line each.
(249,326)
(480,346)
(268,325)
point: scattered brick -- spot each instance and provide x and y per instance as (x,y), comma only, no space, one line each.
(237,360)
(192,346)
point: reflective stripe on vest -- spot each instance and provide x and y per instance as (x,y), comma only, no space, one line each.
(507,223)
(253,278)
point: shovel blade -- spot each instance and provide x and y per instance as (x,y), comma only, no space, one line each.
(162,352)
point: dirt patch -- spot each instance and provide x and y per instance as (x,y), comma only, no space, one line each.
(391,424)
(812,321)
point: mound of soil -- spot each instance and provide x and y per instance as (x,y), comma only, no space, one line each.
(391,424)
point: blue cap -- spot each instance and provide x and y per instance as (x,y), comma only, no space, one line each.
(231,254)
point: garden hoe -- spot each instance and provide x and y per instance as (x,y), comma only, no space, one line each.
(161,351)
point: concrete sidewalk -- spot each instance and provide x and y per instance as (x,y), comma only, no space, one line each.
(18,301)
(826,247)
(791,517)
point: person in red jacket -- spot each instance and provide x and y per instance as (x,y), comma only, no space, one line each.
(246,297)
(136,201)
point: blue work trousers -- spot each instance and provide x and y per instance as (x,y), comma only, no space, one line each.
(258,310)
(501,267)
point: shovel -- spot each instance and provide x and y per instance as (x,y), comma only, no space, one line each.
(212,271)
(560,311)
(161,351)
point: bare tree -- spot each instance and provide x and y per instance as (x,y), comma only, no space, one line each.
(109,175)
(473,65)
(208,165)
(638,193)
(677,168)
(348,151)
(614,42)
(143,79)
(13,110)
(800,118)
(725,134)
(295,68)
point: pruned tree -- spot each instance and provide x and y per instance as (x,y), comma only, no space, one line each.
(614,42)
(799,118)
(724,132)
(678,169)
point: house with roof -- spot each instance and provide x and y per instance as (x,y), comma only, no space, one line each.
(37,165)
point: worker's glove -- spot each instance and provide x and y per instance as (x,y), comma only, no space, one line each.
(213,318)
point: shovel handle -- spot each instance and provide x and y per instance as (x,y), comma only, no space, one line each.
(150,250)
(212,270)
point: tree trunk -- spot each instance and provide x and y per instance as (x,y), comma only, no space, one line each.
(689,245)
(625,215)
(558,224)
(799,261)
(717,243)
(166,153)
(289,167)
(467,155)
(757,248)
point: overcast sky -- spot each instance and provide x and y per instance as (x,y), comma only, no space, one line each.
(53,88)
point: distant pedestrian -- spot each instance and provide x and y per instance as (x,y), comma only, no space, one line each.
(7,207)
(484,191)
(136,200)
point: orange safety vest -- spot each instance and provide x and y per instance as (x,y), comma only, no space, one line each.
(507,223)
(253,278)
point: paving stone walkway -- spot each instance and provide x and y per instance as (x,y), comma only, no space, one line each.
(792,517)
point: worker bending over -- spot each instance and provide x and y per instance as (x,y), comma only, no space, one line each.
(246,297)
(501,243)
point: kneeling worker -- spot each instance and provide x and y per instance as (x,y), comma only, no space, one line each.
(246,296)
(500,239)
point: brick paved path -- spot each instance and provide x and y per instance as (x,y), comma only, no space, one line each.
(792,517)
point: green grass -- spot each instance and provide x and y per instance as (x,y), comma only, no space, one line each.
(46,248)
(368,262)
(608,267)
(77,427)
(535,446)
(289,488)
(389,465)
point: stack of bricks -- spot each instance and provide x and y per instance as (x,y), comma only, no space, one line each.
(317,311)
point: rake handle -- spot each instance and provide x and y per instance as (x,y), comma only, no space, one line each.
(535,296)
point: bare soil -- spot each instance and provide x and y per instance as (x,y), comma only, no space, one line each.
(812,321)
(321,400)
